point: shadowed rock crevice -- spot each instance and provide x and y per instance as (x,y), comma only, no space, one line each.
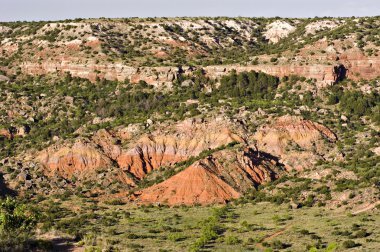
(340,73)
(4,190)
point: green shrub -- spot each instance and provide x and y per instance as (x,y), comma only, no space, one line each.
(17,222)
(176,237)
(232,240)
(350,244)
(360,234)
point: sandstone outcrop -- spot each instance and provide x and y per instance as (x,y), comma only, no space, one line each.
(317,26)
(136,154)
(164,76)
(223,175)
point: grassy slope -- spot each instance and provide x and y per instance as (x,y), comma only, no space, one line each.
(243,227)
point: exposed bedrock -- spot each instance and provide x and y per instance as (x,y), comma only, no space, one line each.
(352,65)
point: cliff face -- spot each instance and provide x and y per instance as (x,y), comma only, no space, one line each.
(360,66)
(113,71)
(164,76)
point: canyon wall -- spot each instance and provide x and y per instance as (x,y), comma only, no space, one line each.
(357,65)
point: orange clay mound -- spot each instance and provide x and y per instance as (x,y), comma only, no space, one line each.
(216,179)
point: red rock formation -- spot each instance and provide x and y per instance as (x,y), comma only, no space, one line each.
(165,147)
(107,141)
(294,128)
(243,169)
(79,159)
(221,177)
(360,66)
(196,184)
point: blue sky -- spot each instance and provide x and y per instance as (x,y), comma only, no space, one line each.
(13,10)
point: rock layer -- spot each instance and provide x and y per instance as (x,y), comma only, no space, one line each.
(166,147)
(297,141)
(143,153)
(358,66)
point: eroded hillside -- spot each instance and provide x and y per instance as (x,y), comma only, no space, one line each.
(190,111)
